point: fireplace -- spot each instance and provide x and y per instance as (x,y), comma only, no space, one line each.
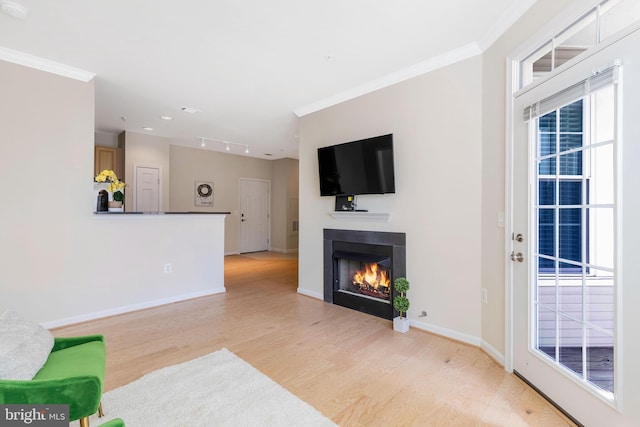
(359,269)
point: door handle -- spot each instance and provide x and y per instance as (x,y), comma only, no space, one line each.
(516,256)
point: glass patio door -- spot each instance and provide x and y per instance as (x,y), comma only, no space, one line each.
(573,273)
(564,248)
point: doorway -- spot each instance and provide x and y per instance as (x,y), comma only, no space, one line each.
(254,215)
(569,229)
(147,188)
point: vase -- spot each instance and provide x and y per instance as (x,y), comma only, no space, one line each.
(400,324)
(100,196)
(116,206)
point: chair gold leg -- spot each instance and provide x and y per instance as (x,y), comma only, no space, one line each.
(100,413)
(84,422)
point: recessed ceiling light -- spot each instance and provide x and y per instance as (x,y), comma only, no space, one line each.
(166,117)
(147,128)
(190,110)
(13,9)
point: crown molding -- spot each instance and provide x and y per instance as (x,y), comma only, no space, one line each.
(508,18)
(448,58)
(46,65)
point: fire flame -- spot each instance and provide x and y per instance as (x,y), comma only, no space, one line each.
(372,276)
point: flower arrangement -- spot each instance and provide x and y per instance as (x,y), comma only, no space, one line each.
(115,187)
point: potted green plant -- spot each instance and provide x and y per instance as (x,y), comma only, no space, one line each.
(401,304)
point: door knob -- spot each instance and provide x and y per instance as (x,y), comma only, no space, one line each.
(516,256)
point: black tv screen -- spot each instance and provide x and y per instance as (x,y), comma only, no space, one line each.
(358,167)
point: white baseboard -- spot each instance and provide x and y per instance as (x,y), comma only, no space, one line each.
(284,251)
(447,333)
(311,294)
(493,353)
(129,308)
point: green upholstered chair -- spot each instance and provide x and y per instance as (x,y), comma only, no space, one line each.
(73,374)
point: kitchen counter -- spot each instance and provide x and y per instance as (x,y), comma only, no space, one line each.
(163,213)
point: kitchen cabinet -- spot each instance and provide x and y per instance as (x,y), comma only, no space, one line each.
(108,158)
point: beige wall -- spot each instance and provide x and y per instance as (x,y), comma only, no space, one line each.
(60,262)
(284,202)
(224,170)
(433,149)
(493,165)
(151,151)
(436,123)
(182,166)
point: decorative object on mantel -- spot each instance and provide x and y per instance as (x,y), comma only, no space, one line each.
(401,304)
(203,193)
(115,188)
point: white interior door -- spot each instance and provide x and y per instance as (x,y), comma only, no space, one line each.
(254,215)
(568,175)
(147,189)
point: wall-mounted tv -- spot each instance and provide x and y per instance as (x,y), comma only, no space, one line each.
(358,167)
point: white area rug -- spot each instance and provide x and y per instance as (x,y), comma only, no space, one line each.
(219,389)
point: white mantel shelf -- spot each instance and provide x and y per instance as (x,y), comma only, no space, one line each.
(361,216)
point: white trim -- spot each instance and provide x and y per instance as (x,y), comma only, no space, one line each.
(440,61)
(46,65)
(493,352)
(619,238)
(311,294)
(130,308)
(285,251)
(512,66)
(361,216)
(268,181)
(560,21)
(447,333)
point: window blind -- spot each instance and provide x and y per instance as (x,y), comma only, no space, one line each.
(572,93)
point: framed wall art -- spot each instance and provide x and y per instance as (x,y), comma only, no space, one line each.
(203,193)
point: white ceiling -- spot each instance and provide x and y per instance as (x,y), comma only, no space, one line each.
(249,66)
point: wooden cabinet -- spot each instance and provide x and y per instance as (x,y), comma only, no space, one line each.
(108,158)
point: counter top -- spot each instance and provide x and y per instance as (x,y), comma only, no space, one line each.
(163,213)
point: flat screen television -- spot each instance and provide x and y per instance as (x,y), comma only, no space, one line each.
(358,167)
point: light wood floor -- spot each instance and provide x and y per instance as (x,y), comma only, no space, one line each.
(350,366)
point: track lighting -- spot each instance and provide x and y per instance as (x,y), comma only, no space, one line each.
(227,144)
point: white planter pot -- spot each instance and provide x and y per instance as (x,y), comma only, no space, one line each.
(400,324)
